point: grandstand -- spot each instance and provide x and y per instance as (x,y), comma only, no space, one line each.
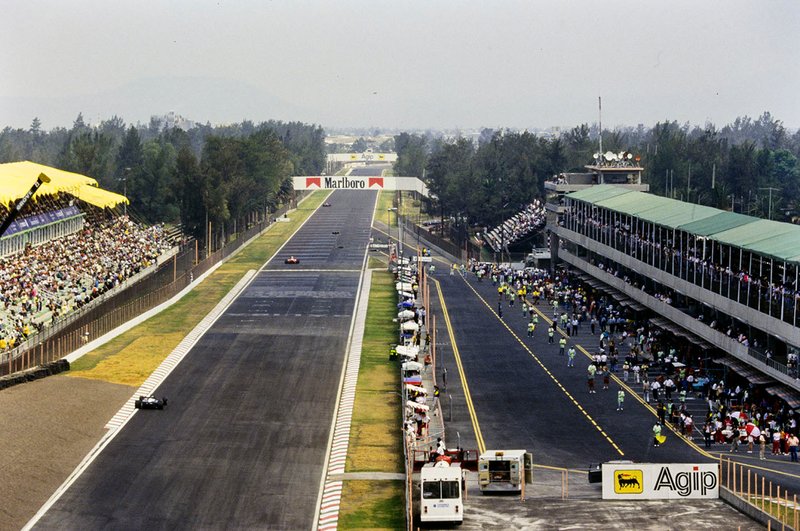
(516,228)
(69,246)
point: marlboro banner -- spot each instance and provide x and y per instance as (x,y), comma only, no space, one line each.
(344,182)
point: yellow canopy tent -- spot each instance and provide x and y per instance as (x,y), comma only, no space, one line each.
(99,197)
(16,178)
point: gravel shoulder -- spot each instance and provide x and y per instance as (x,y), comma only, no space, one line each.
(48,427)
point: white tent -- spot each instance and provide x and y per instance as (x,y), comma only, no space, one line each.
(411,351)
(403,286)
(412,366)
(405,314)
(417,388)
(416,405)
(410,326)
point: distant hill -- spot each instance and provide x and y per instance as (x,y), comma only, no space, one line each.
(199,99)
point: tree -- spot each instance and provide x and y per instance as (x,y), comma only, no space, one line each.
(387,146)
(129,158)
(79,124)
(412,154)
(359,146)
(89,153)
(188,189)
(36,127)
(579,148)
(152,187)
(450,178)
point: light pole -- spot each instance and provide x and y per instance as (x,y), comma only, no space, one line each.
(389,222)
(770,188)
(125,190)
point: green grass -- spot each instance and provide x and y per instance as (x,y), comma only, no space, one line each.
(375,432)
(385,201)
(131,357)
(372,505)
(375,435)
(377,261)
(782,510)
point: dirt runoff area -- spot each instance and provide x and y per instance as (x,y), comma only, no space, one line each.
(48,427)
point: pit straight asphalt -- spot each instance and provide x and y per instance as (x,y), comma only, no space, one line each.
(243,440)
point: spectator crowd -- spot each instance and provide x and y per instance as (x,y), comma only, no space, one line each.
(768,290)
(46,282)
(519,226)
(676,378)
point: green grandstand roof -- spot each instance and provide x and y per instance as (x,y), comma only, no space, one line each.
(772,238)
(765,237)
(719,222)
(599,192)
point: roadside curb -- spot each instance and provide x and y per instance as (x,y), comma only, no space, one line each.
(332,490)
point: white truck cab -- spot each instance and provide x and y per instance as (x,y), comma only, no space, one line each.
(440,492)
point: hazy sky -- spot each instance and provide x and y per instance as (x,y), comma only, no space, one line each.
(400,64)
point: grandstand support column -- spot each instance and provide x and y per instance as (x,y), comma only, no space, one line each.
(20,204)
(554,241)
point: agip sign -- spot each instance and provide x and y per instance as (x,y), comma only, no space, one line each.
(647,481)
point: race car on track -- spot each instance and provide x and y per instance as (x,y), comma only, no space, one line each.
(292,260)
(150,402)
(326,204)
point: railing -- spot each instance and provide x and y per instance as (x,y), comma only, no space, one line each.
(763,496)
(470,250)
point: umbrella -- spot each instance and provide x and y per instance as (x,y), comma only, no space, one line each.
(409,351)
(415,405)
(406,304)
(405,314)
(410,326)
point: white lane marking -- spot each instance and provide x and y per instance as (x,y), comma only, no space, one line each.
(331,491)
(122,417)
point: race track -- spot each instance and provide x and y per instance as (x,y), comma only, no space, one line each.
(525,396)
(243,440)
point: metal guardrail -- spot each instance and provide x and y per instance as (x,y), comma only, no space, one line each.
(762,495)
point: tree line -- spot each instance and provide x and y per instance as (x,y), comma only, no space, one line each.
(480,182)
(225,175)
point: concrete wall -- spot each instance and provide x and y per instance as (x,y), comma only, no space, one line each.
(753,512)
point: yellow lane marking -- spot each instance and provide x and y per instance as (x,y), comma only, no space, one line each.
(630,391)
(547,371)
(472,415)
